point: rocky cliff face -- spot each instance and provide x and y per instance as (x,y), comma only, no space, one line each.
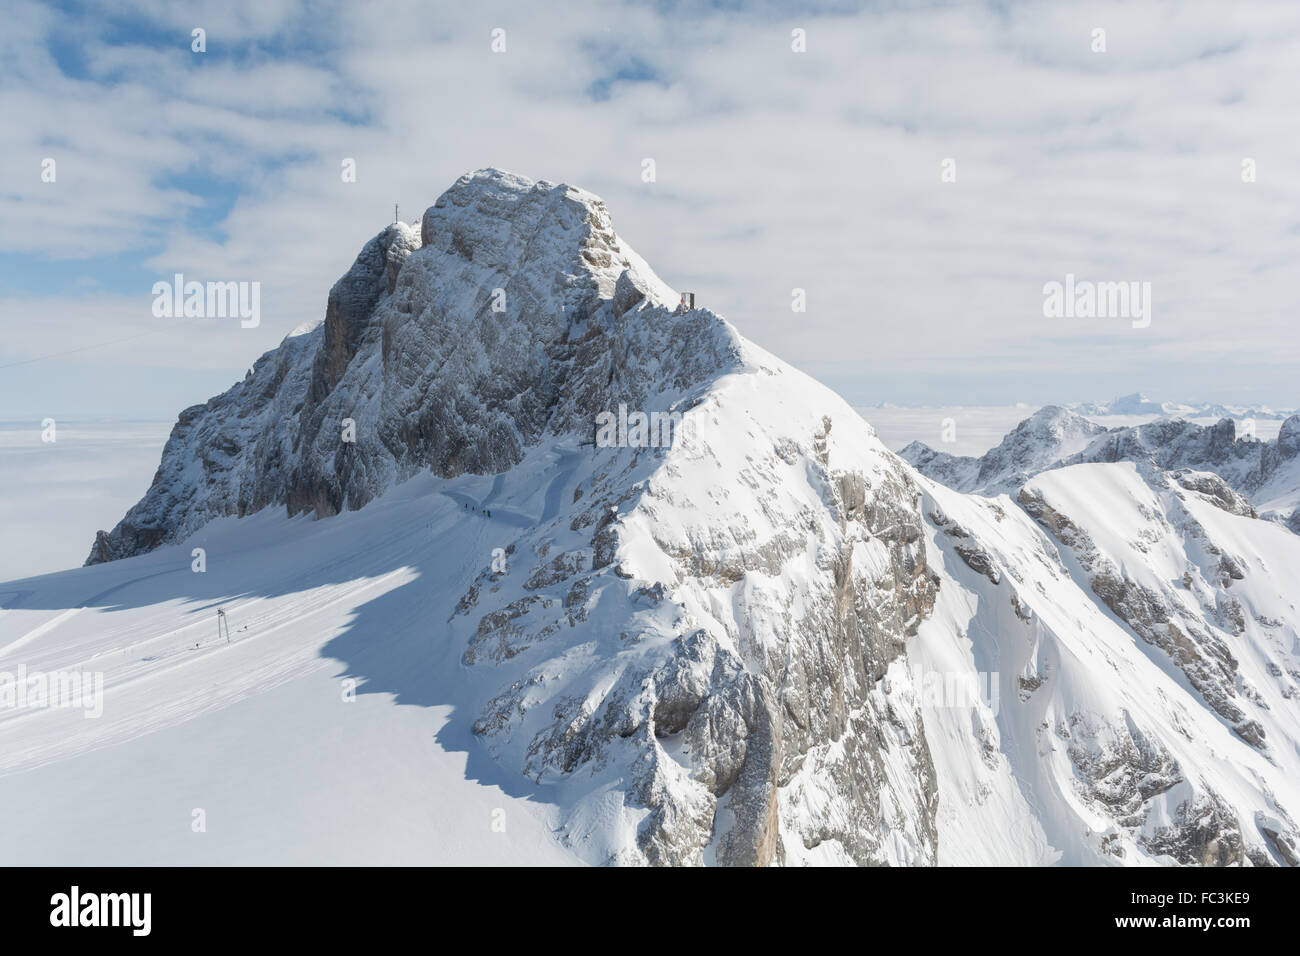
(728,619)
(735,637)
(451,349)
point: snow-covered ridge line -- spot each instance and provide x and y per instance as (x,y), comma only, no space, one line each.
(1155,553)
(1143,639)
(1266,472)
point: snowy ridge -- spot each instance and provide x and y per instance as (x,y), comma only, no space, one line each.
(1153,559)
(1123,733)
(1267,472)
(720,618)
(1040,441)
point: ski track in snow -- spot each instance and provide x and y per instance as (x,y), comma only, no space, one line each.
(151,632)
(567,462)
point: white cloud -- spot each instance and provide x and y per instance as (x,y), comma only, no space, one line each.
(776,170)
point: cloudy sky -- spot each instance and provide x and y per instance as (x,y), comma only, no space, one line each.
(775,170)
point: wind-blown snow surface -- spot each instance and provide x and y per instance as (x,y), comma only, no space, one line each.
(720,651)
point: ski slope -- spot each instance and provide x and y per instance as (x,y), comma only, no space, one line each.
(256,733)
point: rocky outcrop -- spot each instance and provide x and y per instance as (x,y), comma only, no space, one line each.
(1215,490)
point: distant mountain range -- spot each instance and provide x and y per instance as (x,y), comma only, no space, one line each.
(1140,404)
(1266,472)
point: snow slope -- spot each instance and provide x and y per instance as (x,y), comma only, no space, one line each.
(257,733)
(1111,740)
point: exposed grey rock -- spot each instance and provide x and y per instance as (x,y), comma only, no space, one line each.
(754,718)
(1119,767)
(412,352)
(1216,490)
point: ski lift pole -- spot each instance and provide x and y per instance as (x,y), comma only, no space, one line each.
(221,619)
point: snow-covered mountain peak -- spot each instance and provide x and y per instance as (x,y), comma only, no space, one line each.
(1135,404)
(515,312)
(755,637)
(500,222)
(715,561)
(1051,424)
(1045,437)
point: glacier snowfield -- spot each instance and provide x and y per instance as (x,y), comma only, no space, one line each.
(256,733)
